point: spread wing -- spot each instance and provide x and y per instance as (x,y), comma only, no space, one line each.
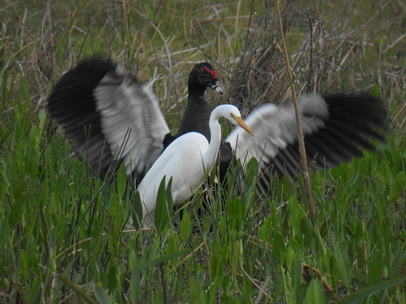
(335,128)
(109,117)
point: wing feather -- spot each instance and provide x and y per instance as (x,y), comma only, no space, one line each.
(131,121)
(275,128)
(109,116)
(336,128)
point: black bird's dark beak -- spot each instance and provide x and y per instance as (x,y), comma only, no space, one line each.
(216,88)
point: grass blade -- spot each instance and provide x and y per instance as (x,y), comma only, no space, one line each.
(365,292)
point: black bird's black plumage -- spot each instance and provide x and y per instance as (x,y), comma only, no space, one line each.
(72,106)
(197,113)
(109,116)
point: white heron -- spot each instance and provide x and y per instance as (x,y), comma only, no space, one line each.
(186,162)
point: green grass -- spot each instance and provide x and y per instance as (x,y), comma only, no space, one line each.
(64,233)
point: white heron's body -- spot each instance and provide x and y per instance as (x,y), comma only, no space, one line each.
(186,162)
(183,185)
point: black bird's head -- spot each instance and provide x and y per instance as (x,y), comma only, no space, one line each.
(201,77)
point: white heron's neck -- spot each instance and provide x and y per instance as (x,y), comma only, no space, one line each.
(209,157)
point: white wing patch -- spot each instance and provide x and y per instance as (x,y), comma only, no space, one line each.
(274,127)
(131,120)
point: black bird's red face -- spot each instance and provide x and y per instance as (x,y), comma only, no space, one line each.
(206,76)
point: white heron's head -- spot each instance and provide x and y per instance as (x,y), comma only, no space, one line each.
(232,114)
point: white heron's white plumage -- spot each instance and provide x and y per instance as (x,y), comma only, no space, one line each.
(186,162)
(275,127)
(131,121)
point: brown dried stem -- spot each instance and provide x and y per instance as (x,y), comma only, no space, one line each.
(302,149)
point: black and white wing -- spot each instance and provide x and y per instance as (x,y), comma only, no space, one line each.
(108,116)
(335,127)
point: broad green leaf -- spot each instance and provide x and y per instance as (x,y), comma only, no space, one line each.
(101,295)
(315,293)
(185,226)
(365,292)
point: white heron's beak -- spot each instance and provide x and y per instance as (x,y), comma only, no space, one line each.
(243,125)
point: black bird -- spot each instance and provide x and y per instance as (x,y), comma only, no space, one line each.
(109,116)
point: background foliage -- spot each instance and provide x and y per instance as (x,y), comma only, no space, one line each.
(64,233)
